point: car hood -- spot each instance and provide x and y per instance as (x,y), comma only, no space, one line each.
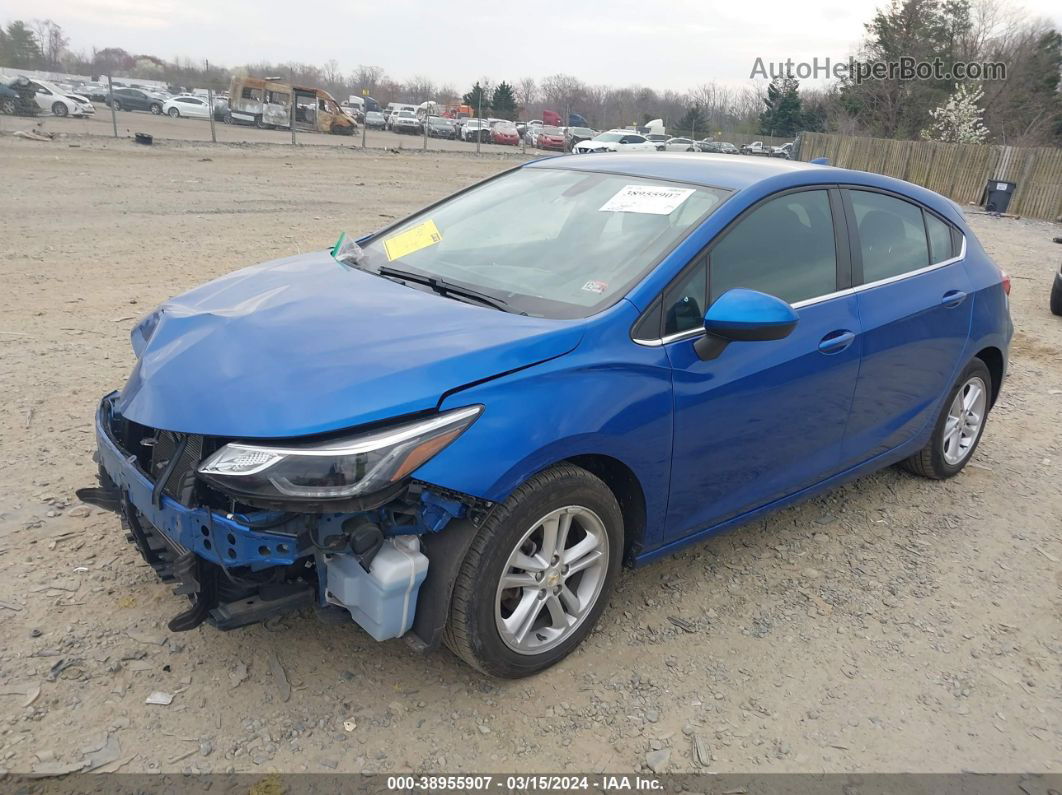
(305,345)
(594,145)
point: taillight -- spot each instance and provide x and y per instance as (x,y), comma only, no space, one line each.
(1006,282)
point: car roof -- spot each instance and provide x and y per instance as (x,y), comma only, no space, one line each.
(740,173)
(733,174)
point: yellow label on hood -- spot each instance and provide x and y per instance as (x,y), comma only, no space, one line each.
(413,239)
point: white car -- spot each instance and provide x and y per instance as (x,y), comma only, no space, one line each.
(54,100)
(405,121)
(680,145)
(659,139)
(187,105)
(615,141)
(475,128)
(84,104)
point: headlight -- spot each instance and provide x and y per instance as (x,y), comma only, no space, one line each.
(337,469)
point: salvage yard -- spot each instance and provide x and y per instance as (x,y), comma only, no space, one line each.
(895,624)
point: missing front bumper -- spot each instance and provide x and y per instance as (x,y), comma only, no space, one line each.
(231,573)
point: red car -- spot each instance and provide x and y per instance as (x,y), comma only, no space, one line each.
(550,138)
(505,134)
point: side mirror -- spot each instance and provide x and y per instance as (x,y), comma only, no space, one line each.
(742,315)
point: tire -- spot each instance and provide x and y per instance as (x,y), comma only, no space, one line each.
(7,106)
(565,494)
(156,109)
(944,457)
(1056,295)
(174,113)
(59,109)
(118,105)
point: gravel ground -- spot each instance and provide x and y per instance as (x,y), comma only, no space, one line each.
(894,624)
(163,127)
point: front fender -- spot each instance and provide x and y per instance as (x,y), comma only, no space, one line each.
(609,397)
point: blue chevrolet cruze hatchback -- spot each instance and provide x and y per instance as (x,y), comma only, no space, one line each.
(457,429)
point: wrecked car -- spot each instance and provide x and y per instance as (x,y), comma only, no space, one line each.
(456,429)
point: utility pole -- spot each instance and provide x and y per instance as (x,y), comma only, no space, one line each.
(114,114)
(210,104)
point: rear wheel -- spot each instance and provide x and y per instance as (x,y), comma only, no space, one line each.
(959,427)
(538,574)
(59,109)
(174,113)
(118,105)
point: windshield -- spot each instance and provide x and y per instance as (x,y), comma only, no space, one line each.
(547,242)
(608,137)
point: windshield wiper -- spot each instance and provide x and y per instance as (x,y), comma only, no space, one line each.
(443,287)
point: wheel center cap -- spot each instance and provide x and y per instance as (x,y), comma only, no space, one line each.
(553,577)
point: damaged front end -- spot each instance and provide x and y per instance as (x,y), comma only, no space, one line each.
(249,530)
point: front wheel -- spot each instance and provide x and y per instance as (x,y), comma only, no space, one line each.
(59,109)
(156,110)
(1056,295)
(538,574)
(959,427)
(118,105)
(174,113)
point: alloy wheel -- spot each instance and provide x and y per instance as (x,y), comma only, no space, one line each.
(552,580)
(965,417)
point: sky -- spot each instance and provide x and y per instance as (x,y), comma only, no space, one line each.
(677,44)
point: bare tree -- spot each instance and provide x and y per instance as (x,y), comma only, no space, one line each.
(526,91)
(563,91)
(447,93)
(52,41)
(419,89)
(368,78)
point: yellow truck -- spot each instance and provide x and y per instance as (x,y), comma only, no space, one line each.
(268,103)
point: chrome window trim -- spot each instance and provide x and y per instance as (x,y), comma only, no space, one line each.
(694,333)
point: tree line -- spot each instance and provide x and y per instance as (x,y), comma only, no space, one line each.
(1024,109)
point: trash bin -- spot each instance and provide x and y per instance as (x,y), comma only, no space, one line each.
(997,195)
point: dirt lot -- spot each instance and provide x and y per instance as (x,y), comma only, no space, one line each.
(130,122)
(892,625)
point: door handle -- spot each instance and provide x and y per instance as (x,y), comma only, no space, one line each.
(836,341)
(953,298)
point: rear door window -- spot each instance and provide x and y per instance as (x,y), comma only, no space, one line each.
(940,239)
(892,235)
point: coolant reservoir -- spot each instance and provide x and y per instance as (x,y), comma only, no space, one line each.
(383,600)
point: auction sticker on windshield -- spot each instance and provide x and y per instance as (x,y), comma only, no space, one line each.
(651,199)
(413,239)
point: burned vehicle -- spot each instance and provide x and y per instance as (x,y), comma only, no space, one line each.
(267,104)
(456,429)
